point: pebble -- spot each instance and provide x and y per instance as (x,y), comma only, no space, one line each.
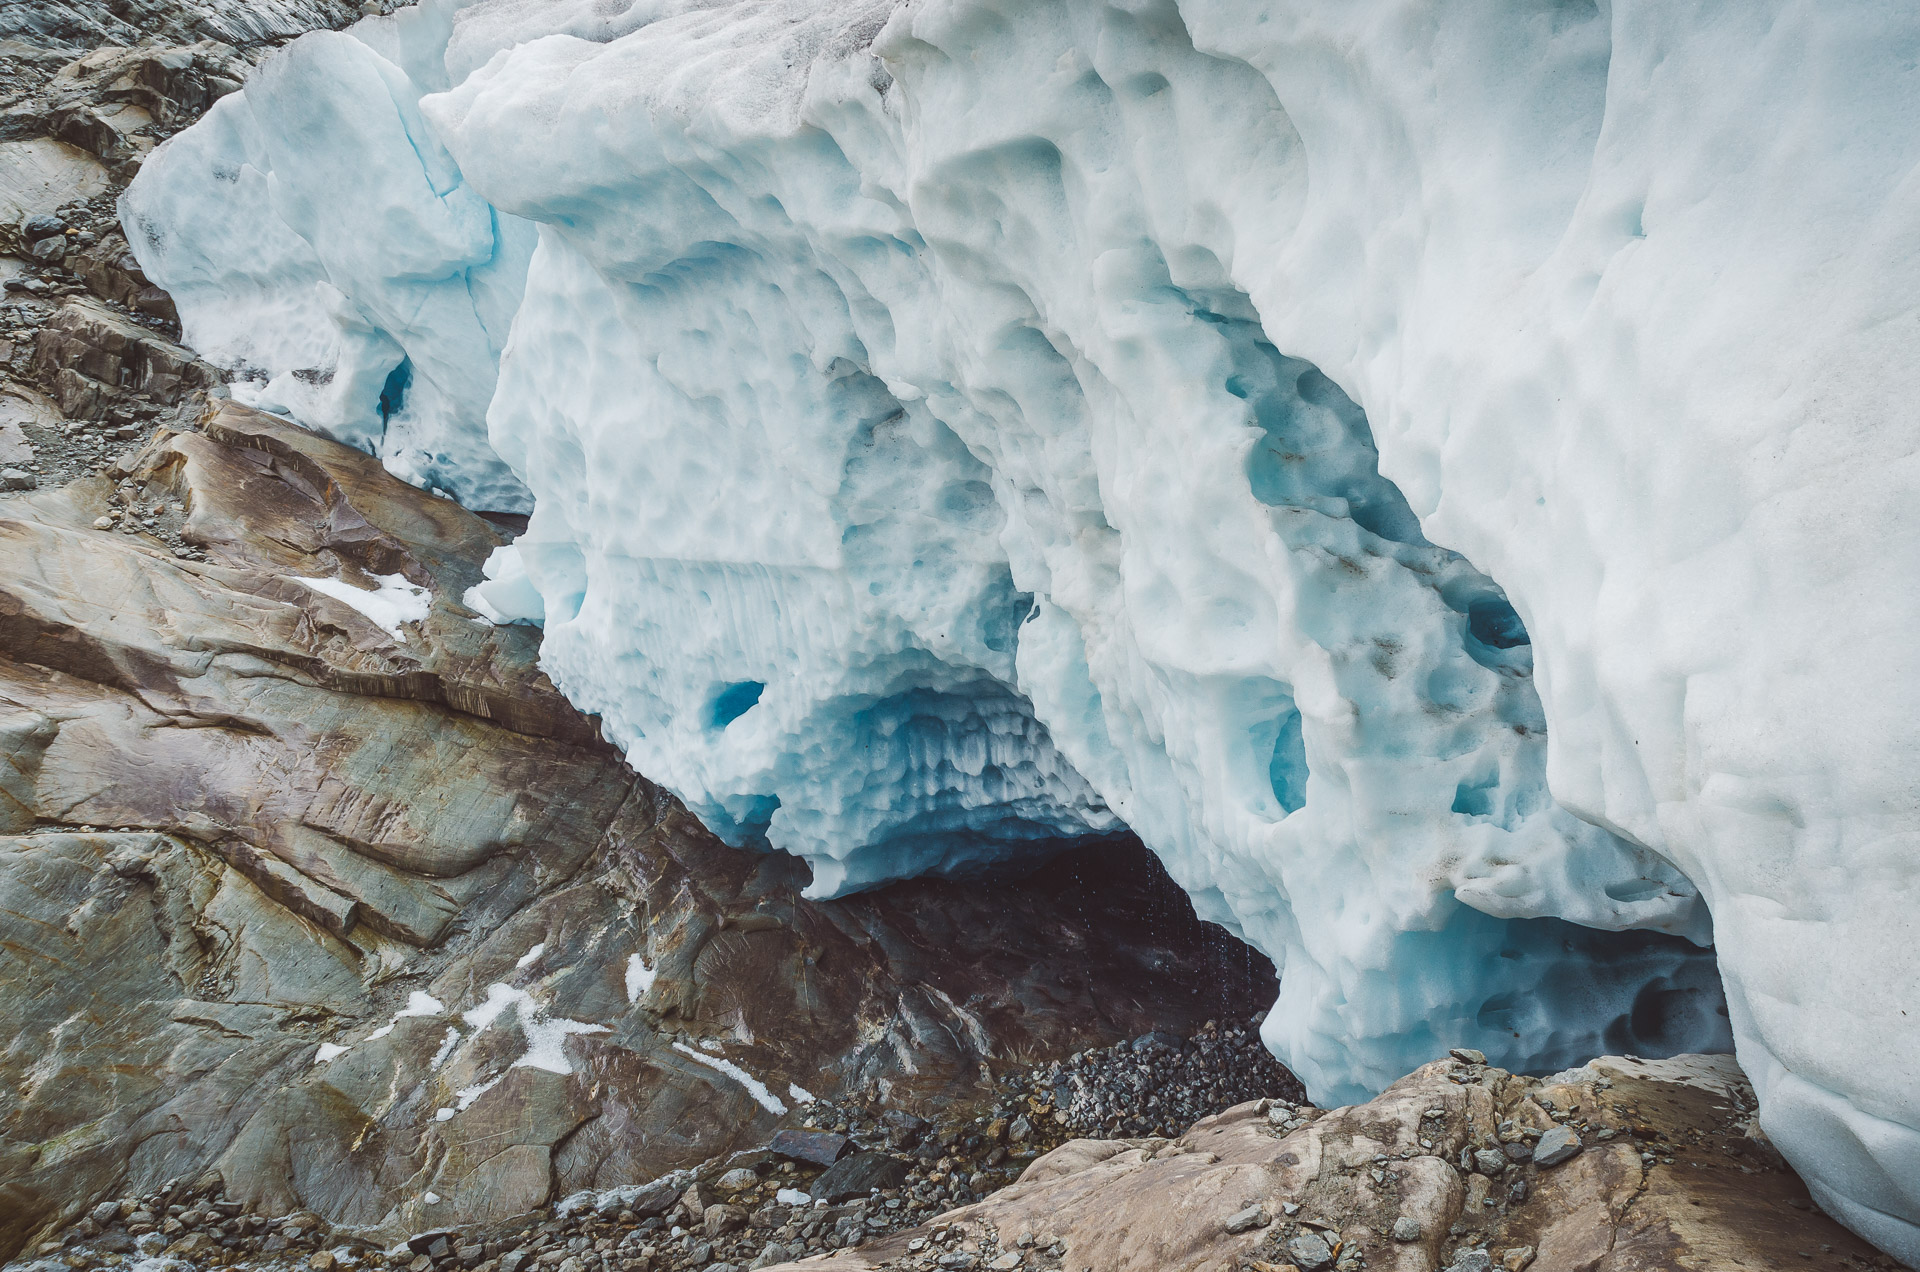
(1164,1086)
(1406,1228)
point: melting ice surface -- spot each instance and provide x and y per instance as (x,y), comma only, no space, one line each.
(1442,474)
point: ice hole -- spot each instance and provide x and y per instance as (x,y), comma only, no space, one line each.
(1493,622)
(1474,797)
(1287,770)
(735,701)
(393,393)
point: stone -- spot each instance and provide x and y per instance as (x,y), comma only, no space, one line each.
(1516,1258)
(1311,1251)
(45,225)
(822,1148)
(1159,1038)
(655,1199)
(1006,1262)
(424,1242)
(1557,1145)
(1468,1055)
(737,1180)
(1473,1259)
(321,1261)
(1518,1151)
(1406,1228)
(858,1175)
(48,250)
(1020,1130)
(696,1198)
(1247,1220)
(1489,1161)
(15,479)
(719,1220)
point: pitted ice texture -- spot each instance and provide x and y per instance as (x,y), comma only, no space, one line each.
(1442,474)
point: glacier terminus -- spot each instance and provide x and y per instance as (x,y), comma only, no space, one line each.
(1443,474)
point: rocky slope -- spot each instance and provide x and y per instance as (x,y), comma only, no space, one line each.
(1619,1165)
(355,912)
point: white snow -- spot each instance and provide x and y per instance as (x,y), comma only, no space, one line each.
(546,1035)
(799,1094)
(532,954)
(463,1098)
(394,602)
(640,977)
(418,1004)
(755,1087)
(444,1113)
(329,1051)
(447,1044)
(1442,474)
(793,1197)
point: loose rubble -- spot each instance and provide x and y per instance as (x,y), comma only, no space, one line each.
(1433,1174)
(844,1174)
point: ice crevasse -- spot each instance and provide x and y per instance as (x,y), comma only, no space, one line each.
(1443,474)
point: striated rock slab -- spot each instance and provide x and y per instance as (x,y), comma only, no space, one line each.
(347,907)
(1669,1172)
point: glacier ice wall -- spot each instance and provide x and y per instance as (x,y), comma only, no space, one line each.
(959,426)
(333,260)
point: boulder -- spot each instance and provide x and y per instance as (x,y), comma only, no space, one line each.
(858,1175)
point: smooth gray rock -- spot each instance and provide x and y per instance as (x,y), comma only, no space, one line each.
(1556,1146)
(1247,1220)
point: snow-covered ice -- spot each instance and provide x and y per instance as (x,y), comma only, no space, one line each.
(1442,474)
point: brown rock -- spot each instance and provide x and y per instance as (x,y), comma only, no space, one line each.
(719,1220)
(318,819)
(91,357)
(1173,1207)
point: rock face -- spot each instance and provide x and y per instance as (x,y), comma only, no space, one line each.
(356,913)
(1432,1174)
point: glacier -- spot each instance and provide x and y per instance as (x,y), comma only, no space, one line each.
(1441,473)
